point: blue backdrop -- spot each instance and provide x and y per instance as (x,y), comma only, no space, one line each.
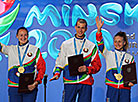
(50,22)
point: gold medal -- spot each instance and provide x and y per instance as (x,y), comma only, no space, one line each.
(118,76)
(21,69)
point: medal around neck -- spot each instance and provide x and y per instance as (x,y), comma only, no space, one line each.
(21,69)
(118,76)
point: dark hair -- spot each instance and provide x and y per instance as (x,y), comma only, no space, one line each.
(20,29)
(82,21)
(123,34)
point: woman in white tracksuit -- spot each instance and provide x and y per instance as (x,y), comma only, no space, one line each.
(116,92)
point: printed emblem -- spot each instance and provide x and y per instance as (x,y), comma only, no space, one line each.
(126,60)
(85,50)
(29,54)
(128,69)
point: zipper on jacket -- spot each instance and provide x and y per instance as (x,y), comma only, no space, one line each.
(118,83)
(77,78)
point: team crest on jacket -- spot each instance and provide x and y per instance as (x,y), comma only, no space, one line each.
(85,50)
(29,54)
(126,60)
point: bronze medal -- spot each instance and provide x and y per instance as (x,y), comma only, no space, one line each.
(21,69)
(118,76)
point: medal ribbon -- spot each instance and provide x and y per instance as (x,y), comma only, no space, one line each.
(19,54)
(76,46)
(119,67)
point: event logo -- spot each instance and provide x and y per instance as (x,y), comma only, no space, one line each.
(7,20)
(107,10)
(5,5)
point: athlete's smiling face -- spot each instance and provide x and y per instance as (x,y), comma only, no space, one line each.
(119,42)
(22,36)
(80,29)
